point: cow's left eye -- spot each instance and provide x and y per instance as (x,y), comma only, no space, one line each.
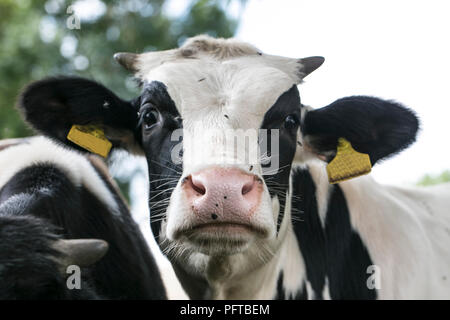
(291,121)
(150,118)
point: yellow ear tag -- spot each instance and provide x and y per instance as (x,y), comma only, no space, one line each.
(91,138)
(348,163)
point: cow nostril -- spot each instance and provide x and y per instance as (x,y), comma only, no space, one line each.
(197,186)
(248,187)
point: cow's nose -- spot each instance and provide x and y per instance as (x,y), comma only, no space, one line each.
(223,193)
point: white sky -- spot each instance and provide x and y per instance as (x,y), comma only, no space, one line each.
(391,49)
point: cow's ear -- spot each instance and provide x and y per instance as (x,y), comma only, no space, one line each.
(53,105)
(373,126)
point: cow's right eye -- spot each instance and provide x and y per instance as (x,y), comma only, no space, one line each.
(150,118)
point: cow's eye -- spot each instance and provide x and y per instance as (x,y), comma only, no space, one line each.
(150,118)
(291,121)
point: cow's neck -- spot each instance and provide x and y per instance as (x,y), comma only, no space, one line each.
(256,284)
(336,258)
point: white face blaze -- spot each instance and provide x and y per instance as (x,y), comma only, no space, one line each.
(221,86)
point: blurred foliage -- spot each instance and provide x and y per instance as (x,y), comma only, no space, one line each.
(35,41)
(429,180)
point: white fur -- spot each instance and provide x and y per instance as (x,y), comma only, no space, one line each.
(407,233)
(326,290)
(293,266)
(40,150)
(320,178)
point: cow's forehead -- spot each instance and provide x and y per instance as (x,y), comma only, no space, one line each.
(214,79)
(243,88)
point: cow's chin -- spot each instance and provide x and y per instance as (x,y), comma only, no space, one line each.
(220,238)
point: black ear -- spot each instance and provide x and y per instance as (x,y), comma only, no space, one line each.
(374,126)
(53,105)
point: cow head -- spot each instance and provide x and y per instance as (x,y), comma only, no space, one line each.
(220,124)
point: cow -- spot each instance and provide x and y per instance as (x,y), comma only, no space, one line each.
(274,227)
(62,215)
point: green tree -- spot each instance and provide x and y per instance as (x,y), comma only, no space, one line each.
(36,42)
(429,180)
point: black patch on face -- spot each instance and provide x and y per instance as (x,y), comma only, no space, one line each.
(156,93)
(156,142)
(281,295)
(336,251)
(128,270)
(280,116)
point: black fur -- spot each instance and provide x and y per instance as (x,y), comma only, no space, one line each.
(28,267)
(308,230)
(348,258)
(334,251)
(288,104)
(128,270)
(53,105)
(156,142)
(374,126)
(164,174)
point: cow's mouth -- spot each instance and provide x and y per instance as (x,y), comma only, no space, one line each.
(221,236)
(227,228)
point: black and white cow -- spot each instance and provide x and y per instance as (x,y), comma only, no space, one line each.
(49,194)
(231,228)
